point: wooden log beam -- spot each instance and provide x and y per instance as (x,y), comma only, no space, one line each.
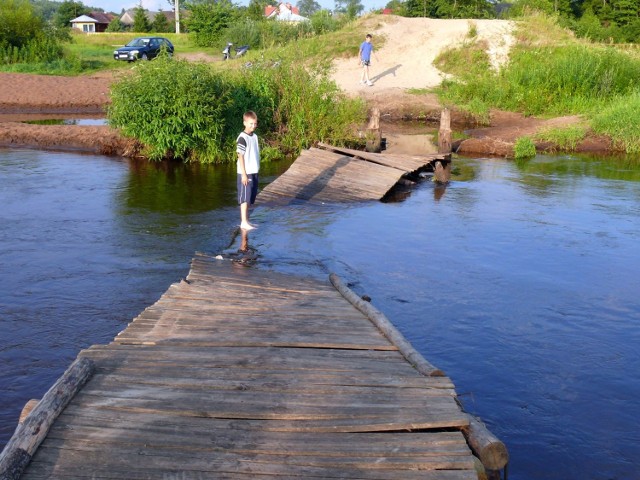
(487,447)
(444,134)
(386,327)
(31,432)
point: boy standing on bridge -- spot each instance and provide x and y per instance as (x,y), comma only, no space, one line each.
(364,56)
(248,152)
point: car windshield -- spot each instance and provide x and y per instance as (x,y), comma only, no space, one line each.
(138,42)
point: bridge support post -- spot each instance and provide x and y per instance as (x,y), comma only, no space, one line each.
(373,134)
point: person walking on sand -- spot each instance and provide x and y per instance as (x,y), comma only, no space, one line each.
(248,151)
(364,56)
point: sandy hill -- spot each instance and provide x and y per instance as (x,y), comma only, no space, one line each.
(410,46)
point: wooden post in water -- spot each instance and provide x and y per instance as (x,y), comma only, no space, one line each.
(444,134)
(373,134)
(442,172)
(32,431)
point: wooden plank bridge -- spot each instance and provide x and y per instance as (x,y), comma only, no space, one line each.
(242,373)
(335,174)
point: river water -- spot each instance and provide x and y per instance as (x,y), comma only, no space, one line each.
(519,280)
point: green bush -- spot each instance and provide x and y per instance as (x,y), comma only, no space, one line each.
(524,148)
(173,107)
(187,111)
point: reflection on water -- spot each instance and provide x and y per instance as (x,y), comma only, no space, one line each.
(519,280)
(69,121)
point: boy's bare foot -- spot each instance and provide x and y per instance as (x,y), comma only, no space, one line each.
(246,226)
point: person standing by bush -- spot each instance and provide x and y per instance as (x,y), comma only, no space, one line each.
(364,55)
(248,151)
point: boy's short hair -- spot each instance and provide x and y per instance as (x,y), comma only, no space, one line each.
(368,36)
(249,115)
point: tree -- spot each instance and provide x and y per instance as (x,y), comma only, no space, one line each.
(308,7)
(397,7)
(140,20)
(255,10)
(45,8)
(18,23)
(351,8)
(160,23)
(208,20)
(67,11)
(115,25)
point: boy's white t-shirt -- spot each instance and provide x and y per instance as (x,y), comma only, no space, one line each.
(248,146)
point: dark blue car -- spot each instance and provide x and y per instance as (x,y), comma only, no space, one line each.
(143,48)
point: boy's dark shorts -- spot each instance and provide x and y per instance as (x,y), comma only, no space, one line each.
(248,193)
(366,63)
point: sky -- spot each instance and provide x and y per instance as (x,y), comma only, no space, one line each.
(156,5)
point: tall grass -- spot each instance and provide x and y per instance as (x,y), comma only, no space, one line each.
(550,75)
(620,120)
(550,81)
(191,112)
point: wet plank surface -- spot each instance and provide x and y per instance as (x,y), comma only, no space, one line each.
(246,373)
(340,175)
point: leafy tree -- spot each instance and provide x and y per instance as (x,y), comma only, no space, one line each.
(45,8)
(115,25)
(308,7)
(67,11)
(19,23)
(208,20)
(351,8)
(160,23)
(397,7)
(421,8)
(140,20)
(255,10)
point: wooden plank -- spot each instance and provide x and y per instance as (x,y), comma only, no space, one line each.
(329,177)
(301,443)
(292,382)
(406,163)
(181,420)
(205,459)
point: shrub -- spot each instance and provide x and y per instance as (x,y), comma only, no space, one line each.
(173,107)
(524,148)
(187,111)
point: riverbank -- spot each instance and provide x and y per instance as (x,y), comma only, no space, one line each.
(400,68)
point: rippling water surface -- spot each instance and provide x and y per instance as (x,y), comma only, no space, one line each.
(519,280)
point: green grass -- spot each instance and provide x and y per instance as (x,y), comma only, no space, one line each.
(620,120)
(563,138)
(88,53)
(549,73)
(524,148)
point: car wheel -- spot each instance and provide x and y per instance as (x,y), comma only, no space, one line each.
(145,56)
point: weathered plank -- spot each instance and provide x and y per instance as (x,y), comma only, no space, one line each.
(295,383)
(405,163)
(328,177)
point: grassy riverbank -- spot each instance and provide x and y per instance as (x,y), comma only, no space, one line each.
(550,73)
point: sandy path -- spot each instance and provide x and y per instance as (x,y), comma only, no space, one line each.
(406,59)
